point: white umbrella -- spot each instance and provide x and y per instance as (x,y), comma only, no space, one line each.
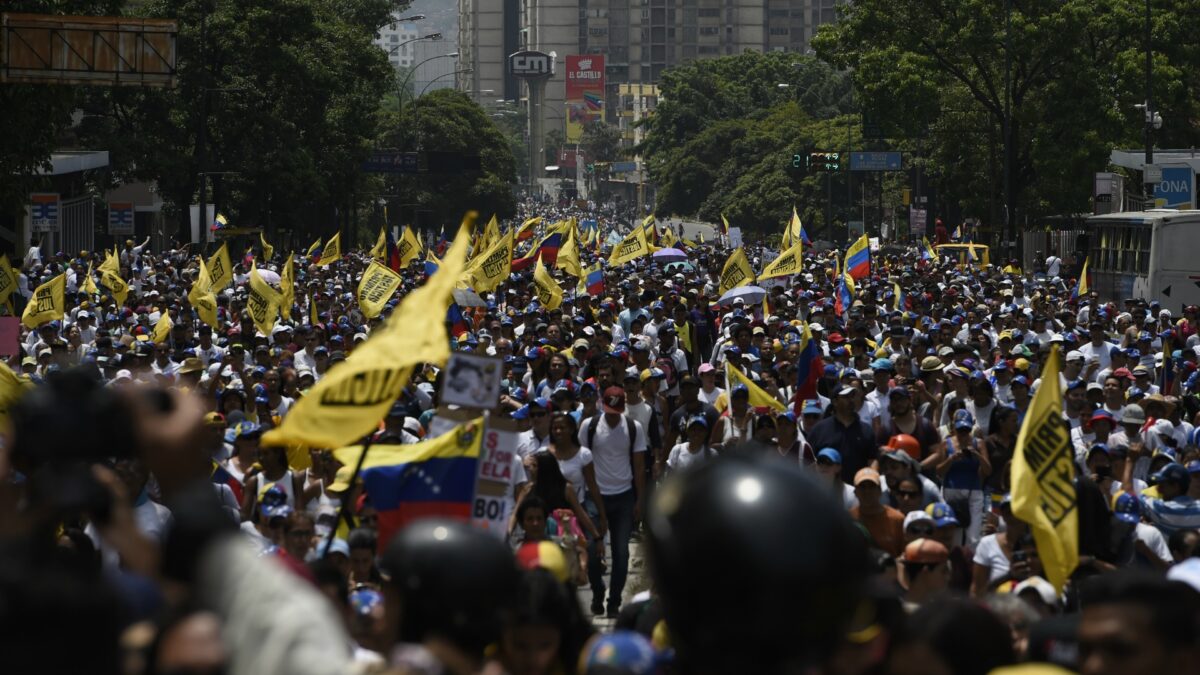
(749,294)
(269,276)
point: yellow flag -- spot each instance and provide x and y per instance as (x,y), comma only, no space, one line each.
(313,316)
(162,328)
(1043,478)
(548,291)
(526,230)
(758,397)
(202,298)
(111,263)
(376,287)
(379,250)
(568,254)
(287,287)
(313,248)
(115,284)
(88,285)
(633,246)
(12,388)
(262,303)
(489,270)
(669,239)
(737,271)
(350,400)
(332,251)
(220,270)
(47,304)
(898,302)
(791,262)
(8,278)
(491,234)
(267,249)
(409,246)
(791,233)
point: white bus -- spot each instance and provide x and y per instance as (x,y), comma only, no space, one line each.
(1152,255)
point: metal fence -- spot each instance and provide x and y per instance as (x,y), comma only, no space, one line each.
(76,232)
(1036,246)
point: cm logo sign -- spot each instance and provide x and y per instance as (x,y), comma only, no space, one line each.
(530,64)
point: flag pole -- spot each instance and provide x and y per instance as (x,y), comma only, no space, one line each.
(342,510)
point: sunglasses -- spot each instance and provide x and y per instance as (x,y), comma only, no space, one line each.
(921,530)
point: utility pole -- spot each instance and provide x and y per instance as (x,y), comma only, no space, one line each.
(1149,104)
(1008,231)
(202,137)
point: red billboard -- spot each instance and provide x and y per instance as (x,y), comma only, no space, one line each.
(585,93)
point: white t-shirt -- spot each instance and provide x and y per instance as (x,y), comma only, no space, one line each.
(711,397)
(989,554)
(610,453)
(1053,266)
(1153,538)
(681,456)
(572,470)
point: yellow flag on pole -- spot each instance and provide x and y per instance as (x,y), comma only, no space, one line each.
(633,246)
(568,254)
(669,240)
(287,287)
(88,286)
(758,397)
(202,298)
(162,328)
(409,246)
(267,249)
(791,262)
(548,291)
(220,270)
(376,287)
(47,304)
(262,303)
(8,278)
(350,400)
(1043,478)
(111,263)
(12,388)
(379,250)
(736,272)
(313,248)
(115,284)
(332,251)
(489,270)
(491,233)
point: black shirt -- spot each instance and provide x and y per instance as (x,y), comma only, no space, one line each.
(855,442)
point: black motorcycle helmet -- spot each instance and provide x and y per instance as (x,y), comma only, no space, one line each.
(758,566)
(451,581)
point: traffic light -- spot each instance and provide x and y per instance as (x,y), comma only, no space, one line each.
(825,161)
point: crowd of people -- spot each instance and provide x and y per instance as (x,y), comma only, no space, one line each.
(862,526)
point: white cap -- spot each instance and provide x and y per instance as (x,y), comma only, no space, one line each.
(123,375)
(916,517)
(1040,586)
(1074,355)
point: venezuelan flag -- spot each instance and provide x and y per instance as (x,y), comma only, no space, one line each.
(420,480)
(595,281)
(1081,288)
(808,368)
(844,295)
(221,476)
(547,248)
(927,252)
(458,322)
(858,258)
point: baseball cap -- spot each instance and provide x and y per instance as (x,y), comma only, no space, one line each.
(829,456)
(931,364)
(614,400)
(867,475)
(882,364)
(1126,508)
(926,551)
(1174,473)
(1043,588)
(812,406)
(942,514)
(705,368)
(1133,414)
(963,419)
(917,516)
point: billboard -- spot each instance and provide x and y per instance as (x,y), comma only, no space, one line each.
(43,212)
(92,50)
(585,93)
(1177,189)
(120,218)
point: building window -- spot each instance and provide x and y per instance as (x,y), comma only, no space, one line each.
(779,31)
(777,13)
(710,30)
(710,50)
(395,38)
(597,31)
(710,13)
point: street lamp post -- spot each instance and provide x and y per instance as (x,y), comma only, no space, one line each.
(1149,106)
(404,82)
(428,84)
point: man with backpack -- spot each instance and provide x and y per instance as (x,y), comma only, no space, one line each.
(618,445)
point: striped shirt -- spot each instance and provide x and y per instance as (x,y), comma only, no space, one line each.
(1170,515)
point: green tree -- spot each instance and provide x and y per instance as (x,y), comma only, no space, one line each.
(289,92)
(936,70)
(601,142)
(449,121)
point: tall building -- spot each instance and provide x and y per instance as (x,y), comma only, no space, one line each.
(391,39)
(434,69)
(638,38)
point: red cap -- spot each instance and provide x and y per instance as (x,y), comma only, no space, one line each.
(614,400)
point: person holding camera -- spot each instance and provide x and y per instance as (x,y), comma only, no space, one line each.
(1005,555)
